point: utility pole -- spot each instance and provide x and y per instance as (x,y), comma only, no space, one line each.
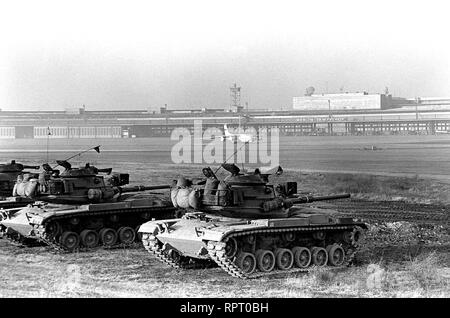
(329,108)
(235,94)
(330,124)
(48,136)
(417,104)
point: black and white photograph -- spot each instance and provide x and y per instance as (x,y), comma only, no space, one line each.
(224,153)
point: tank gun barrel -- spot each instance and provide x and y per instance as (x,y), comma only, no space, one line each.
(310,198)
(15,167)
(31,167)
(143,188)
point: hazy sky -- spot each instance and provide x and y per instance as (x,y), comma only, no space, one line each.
(143,54)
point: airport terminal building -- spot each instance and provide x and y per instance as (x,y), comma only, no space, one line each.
(343,101)
(321,114)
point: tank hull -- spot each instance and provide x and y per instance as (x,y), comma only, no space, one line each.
(200,238)
(78,227)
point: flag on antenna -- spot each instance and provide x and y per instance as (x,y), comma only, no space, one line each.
(97,149)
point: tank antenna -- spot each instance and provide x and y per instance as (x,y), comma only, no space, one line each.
(48,136)
(96,148)
(231,156)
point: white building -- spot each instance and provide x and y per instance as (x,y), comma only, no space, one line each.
(342,101)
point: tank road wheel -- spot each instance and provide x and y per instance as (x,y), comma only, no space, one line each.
(174,255)
(53,229)
(336,255)
(114,218)
(357,236)
(250,239)
(108,236)
(126,235)
(319,256)
(347,237)
(74,221)
(302,256)
(231,248)
(265,260)
(288,236)
(89,238)
(70,240)
(319,235)
(138,234)
(246,262)
(284,258)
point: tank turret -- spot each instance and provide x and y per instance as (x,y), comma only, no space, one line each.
(76,185)
(250,227)
(248,195)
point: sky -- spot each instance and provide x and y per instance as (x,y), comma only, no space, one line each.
(186,54)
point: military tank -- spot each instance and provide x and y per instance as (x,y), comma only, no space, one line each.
(251,228)
(9,173)
(79,208)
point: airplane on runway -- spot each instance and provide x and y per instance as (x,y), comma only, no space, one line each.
(242,137)
(438,132)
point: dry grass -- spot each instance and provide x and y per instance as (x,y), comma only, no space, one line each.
(424,270)
(421,277)
(39,272)
(408,260)
(376,187)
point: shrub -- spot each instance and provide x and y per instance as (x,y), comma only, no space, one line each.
(424,270)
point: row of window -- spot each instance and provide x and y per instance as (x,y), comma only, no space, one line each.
(77,132)
(7,132)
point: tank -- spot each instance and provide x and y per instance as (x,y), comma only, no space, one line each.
(81,209)
(9,173)
(251,228)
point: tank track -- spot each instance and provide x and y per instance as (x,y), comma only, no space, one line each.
(153,246)
(216,251)
(47,240)
(43,236)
